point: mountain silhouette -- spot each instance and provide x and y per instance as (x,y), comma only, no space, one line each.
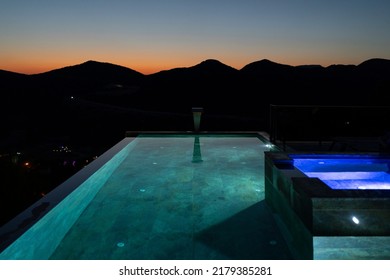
(7,76)
(86,77)
(209,69)
(108,71)
(265,67)
(376,64)
(212,67)
(222,90)
(93,75)
(11,80)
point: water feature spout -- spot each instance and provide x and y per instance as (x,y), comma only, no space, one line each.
(197,113)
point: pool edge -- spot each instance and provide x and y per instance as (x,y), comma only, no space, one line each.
(21,223)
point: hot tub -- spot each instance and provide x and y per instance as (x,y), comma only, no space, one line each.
(331,206)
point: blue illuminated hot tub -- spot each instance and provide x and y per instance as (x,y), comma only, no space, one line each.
(331,206)
(347,173)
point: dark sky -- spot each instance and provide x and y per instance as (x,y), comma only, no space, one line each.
(153,35)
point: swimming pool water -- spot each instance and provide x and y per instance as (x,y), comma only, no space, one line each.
(177,197)
(348,173)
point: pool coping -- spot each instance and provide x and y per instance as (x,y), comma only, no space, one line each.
(135,133)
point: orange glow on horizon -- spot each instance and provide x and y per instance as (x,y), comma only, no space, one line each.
(152,66)
(31,68)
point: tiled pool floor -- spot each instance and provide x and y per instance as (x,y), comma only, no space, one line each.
(181,198)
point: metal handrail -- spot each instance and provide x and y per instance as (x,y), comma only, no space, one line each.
(326,121)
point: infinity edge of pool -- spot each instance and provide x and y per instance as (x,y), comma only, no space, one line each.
(50,208)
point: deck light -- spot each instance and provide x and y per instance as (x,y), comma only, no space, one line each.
(355,220)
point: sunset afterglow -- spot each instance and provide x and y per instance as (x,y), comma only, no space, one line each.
(150,36)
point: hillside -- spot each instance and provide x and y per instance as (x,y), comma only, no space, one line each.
(222,90)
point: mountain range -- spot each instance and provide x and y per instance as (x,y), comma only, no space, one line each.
(233,99)
(92,76)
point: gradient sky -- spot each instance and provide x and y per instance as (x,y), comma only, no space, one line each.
(153,35)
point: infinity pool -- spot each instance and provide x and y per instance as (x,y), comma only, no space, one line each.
(156,197)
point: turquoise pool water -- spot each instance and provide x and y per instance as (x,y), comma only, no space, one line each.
(164,197)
